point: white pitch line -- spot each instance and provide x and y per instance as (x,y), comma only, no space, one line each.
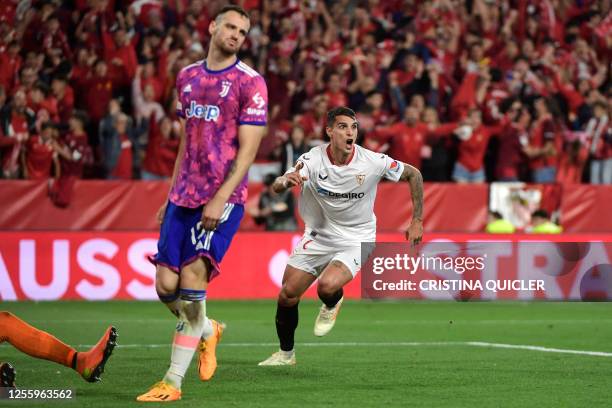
(487,322)
(539,348)
(398,344)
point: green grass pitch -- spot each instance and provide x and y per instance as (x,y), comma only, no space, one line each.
(379,354)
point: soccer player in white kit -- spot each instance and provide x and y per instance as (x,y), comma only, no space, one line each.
(338,181)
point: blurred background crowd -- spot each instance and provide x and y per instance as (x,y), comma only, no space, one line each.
(465,90)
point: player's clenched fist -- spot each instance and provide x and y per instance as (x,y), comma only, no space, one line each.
(212,213)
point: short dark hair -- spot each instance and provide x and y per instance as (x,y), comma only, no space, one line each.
(232,7)
(601,104)
(339,111)
(41,86)
(48,125)
(540,213)
(61,78)
(81,116)
(496,215)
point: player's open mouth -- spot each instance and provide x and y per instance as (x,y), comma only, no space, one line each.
(349,143)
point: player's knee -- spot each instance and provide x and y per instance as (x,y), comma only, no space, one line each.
(166,282)
(164,288)
(288,296)
(195,273)
(327,287)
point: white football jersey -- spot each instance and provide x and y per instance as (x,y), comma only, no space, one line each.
(337,202)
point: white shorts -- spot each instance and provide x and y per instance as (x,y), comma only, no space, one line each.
(312,257)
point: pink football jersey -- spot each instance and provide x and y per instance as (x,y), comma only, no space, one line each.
(214,104)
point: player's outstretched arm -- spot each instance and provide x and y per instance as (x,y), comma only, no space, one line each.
(289,180)
(249,137)
(412,175)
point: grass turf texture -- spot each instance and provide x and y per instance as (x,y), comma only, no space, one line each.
(340,375)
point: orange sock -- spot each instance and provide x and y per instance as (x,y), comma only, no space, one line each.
(34,342)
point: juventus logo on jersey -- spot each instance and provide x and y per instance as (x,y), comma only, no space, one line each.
(360,178)
(225,87)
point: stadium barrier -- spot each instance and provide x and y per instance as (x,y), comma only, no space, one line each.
(113,265)
(104,205)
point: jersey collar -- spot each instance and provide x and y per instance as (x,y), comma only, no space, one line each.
(331,158)
(212,71)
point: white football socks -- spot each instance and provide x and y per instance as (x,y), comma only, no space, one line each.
(191,325)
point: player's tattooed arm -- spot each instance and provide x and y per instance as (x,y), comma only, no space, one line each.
(289,180)
(412,175)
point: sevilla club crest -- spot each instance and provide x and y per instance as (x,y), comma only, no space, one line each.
(360,178)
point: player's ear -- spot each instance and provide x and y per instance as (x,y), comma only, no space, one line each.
(328,132)
(212,27)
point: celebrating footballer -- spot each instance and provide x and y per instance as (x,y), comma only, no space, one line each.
(338,183)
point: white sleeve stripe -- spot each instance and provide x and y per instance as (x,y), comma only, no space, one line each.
(252,75)
(195,64)
(246,68)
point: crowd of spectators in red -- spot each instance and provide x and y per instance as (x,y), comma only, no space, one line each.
(465,90)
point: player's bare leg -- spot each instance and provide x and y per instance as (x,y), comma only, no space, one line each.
(295,283)
(329,289)
(166,285)
(191,326)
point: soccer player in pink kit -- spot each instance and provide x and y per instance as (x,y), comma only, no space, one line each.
(223,106)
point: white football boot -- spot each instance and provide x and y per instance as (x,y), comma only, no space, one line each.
(280,358)
(326,319)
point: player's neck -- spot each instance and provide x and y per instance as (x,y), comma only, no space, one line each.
(339,157)
(217,60)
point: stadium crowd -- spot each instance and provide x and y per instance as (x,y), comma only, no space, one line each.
(465,90)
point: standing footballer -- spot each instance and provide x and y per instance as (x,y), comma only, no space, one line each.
(223,106)
(339,181)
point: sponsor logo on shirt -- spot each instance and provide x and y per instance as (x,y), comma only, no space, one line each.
(332,194)
(259,101)
(394,166)
(256,112)
(209,113)
(187,88)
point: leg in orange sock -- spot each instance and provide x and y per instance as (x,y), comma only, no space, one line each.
(40,344)
(34,342)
